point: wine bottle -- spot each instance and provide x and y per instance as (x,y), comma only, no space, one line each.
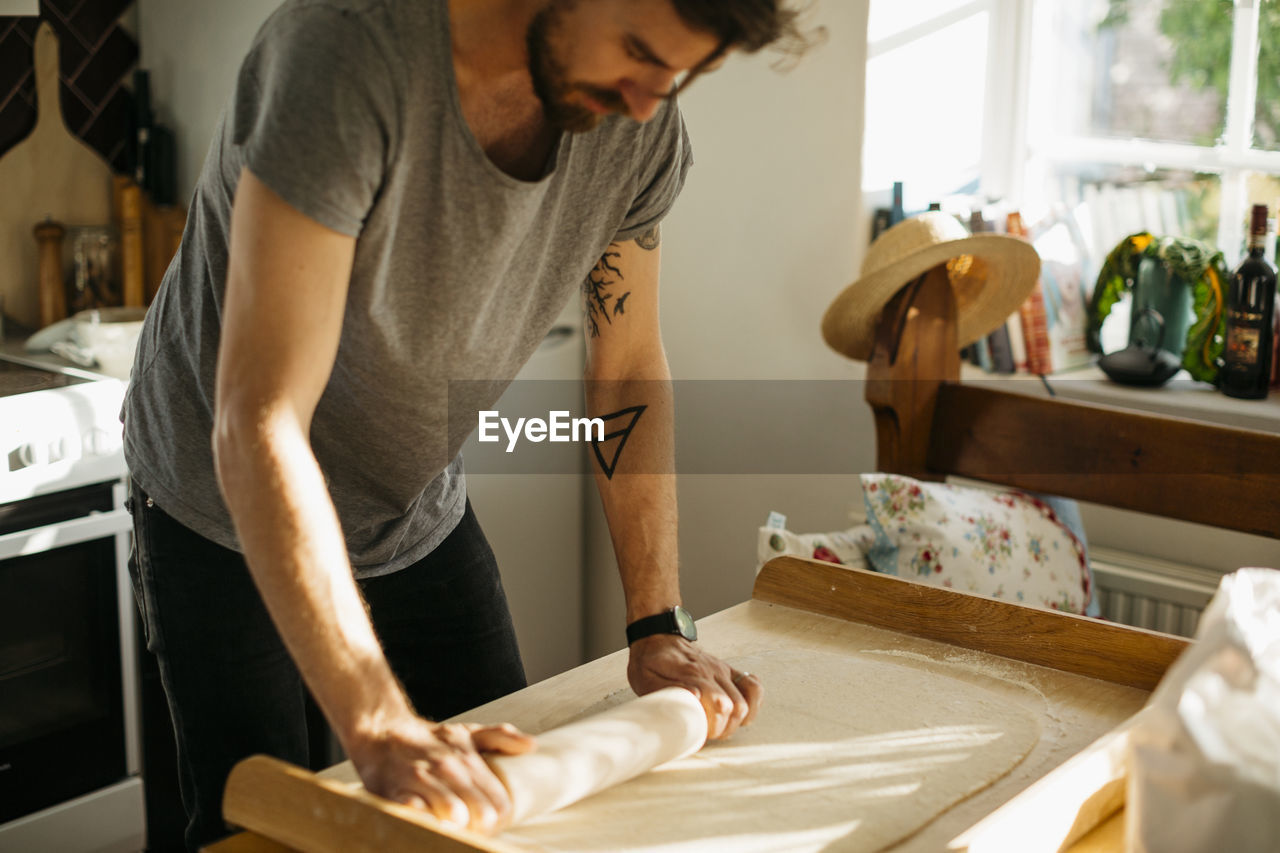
(1251,301)
(1275,346)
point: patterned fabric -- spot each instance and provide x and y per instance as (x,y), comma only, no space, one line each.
(1007,545)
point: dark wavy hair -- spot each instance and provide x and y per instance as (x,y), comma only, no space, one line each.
(747,25)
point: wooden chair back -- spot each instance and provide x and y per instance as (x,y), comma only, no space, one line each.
(929,426)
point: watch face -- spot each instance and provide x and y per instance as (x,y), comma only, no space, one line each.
(684,622)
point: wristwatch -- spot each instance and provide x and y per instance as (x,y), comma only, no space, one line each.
(674,621)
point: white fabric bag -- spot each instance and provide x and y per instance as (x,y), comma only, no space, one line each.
(1204,762)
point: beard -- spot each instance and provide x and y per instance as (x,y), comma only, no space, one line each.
(551,80)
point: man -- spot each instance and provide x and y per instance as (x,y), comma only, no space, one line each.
(403,194)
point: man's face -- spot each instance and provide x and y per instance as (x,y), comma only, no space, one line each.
(589,58)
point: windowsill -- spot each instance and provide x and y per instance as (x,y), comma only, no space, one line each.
(1180,397)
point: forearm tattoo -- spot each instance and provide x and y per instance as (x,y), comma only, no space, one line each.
(602,301)
(620,424)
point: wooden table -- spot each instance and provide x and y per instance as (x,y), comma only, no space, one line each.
(1092,676)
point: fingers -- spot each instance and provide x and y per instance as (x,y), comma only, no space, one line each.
(440,770)
(729,697)
(470,781)
(730,704)
(752,691)
(719,707)
(488,803)
(431,796)
(506,739)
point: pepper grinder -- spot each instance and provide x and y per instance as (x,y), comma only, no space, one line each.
(53,296)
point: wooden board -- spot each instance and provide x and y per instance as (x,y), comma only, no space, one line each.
(1061,641)
(50,173)
(337,817)
(801,605)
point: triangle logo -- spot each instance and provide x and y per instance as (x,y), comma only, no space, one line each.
(620,424)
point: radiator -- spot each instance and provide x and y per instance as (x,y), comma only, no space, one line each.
(1149,593)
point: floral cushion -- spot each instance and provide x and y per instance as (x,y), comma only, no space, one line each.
(1007,545)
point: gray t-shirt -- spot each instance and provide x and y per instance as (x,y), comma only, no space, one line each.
(348,109)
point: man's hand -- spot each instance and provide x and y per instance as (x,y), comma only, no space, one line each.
(437,767)
(729,697)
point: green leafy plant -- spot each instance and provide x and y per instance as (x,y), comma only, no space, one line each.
(1196,263)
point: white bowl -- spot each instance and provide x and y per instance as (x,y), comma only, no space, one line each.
(110,335)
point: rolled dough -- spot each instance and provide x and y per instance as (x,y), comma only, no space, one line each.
(851,752)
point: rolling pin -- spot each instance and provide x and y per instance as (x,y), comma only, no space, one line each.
(291,806)
(580,759)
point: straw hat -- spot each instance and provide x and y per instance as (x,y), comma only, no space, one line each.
(991,275)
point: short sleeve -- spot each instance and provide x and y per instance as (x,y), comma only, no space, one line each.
(665,159)
(315,113)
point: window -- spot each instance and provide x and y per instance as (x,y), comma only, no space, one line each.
(1155,114)
(1161,115)
(926,97)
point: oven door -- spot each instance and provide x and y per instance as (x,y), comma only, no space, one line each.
(62,686)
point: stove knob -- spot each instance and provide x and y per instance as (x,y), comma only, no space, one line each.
(28,455)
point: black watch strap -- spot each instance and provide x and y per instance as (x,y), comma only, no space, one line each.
(674,621)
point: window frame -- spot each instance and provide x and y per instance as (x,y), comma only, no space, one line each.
(1009,154)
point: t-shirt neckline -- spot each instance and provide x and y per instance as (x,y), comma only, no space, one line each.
(558,148)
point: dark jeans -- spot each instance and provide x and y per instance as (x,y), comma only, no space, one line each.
(233,690)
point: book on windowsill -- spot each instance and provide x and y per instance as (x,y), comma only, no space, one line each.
(1032,317)
(1001,350)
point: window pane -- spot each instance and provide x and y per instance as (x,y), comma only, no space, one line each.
(1260,188)
(1148,69)
(923,127)
(890,17)
(1267,128)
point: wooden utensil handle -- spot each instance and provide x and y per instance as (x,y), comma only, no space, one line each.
(53,295)
(131,243)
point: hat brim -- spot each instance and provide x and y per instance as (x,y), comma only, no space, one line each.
(1012,267)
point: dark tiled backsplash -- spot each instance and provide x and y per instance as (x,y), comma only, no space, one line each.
(96,55)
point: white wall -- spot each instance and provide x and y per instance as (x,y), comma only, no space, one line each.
(193,49)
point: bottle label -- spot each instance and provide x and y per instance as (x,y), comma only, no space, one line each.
(1243,329)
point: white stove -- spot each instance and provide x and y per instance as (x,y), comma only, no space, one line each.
(70,736)
(59,426)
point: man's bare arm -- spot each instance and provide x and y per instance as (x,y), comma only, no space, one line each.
(282,320)
(628,384)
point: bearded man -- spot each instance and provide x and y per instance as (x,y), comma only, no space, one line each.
(403,194)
